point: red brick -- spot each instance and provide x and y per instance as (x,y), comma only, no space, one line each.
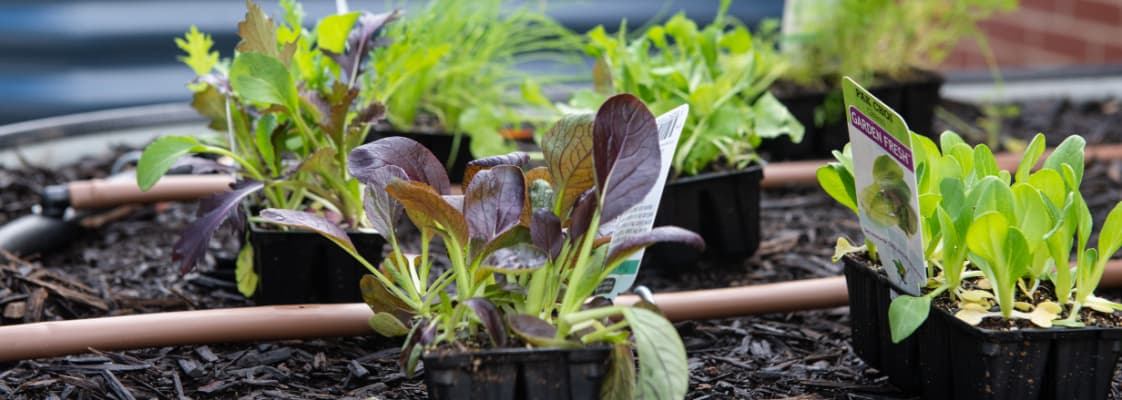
(1101,12)
(1112,54)
(1005,29)
(1009,55)
(1094,53)
(1064,44)
(1045,5)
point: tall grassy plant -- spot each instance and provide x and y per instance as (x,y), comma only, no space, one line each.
(452,65)
(868,39)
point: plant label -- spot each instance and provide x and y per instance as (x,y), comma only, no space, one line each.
(640,218)
(884,175)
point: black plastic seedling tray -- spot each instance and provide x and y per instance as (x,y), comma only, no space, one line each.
(517,374)
(915,99)
(440,144)
(948,359)
(869,297)
(296,267)
(722,207)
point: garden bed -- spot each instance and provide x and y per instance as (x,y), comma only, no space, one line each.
(125,267)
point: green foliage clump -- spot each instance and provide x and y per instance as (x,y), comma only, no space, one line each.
(871,39)
(452,66)
(721,71)
(288,104)
(992,237)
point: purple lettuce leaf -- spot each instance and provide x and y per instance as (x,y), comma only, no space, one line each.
(625,154)
(382,210)
(631,244)
(372,113)
(418,163)
(491,318)
(517,159)
(516,257)
(515,235)
(534,330)
(192,243)
(545,231)
(428,210)
(581,218)
(360,42)
(309,221)
(493,202)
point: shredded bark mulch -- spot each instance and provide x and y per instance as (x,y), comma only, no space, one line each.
(124,268)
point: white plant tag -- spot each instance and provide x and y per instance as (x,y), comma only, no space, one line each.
(884,175)
(640,218)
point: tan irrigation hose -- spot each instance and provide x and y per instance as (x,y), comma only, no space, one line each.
(102,193)
(57,338)
(802,173)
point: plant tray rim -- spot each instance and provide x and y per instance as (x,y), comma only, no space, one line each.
(753,168)
(996,335)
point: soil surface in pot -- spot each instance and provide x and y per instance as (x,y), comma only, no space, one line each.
(125,268)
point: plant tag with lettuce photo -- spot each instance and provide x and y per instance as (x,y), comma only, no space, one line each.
(640,219)
(885,178)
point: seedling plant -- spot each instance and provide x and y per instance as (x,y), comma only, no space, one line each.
(992,237)
(525,251)
(451,66)
(288,102)
(719,70)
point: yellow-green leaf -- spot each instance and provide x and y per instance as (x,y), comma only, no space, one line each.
(244,273)
(159,156)
(387,325)
(663,372)
(197,46)
(332,31)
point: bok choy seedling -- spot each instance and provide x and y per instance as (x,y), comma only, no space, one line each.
(993,237)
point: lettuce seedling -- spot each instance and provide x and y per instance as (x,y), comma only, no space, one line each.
(525,250)
(719,70)
(289,105)
(1014,230)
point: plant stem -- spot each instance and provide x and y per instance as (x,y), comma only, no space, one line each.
(600,334)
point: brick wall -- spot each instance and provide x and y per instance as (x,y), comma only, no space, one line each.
(1048,33)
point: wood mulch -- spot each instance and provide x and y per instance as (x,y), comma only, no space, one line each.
(124,268)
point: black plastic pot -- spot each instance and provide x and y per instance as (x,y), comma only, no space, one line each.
(295,267)
(914,98)
(440,144)
(949,359)
(509,374)
(870,293)
(722,207)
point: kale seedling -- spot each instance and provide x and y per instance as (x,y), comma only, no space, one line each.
(720,71)
(288,104)
(516,271)
(1007,232)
